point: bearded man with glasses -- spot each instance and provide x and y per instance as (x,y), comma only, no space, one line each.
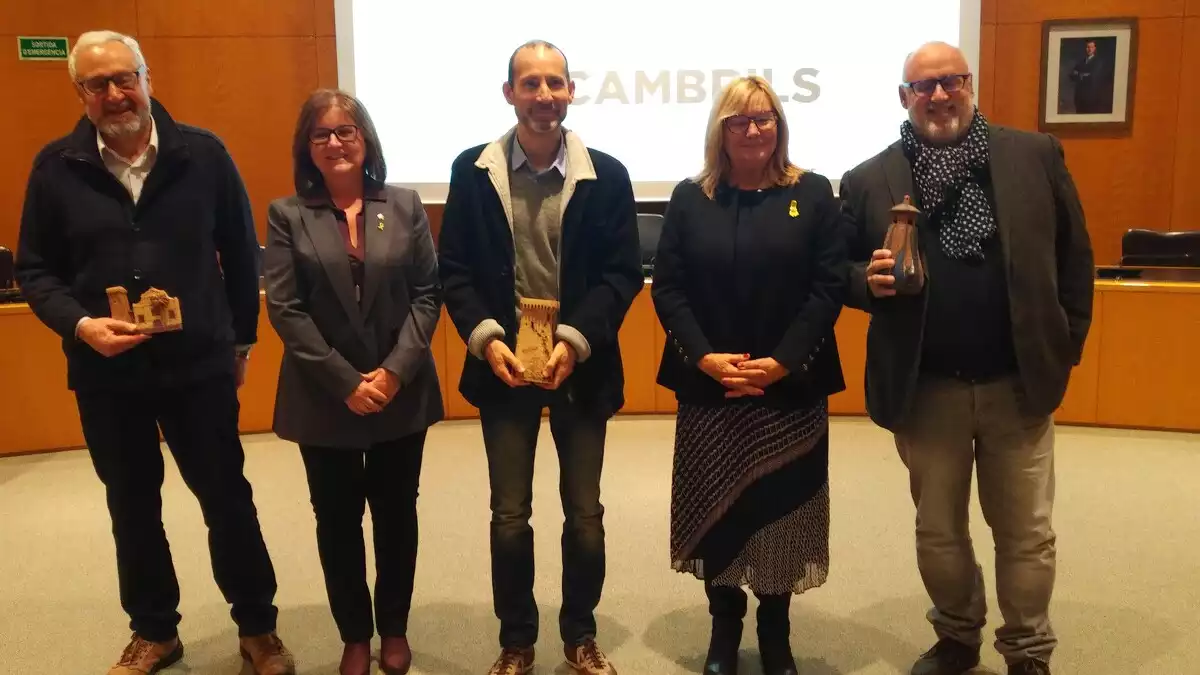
(131,198)
(968,370)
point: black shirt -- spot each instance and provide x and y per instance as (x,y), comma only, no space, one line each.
(968,330)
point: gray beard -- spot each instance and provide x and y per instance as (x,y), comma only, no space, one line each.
(942,134)
(123,129)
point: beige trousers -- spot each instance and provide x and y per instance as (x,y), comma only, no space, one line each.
(956,427)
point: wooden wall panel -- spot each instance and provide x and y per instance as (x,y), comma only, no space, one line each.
(58,109)
(851,331)
(324,18)
(1135,390)
(242,18)
(1017,61)
(38,411)
(1193,8)
(986,80)
(1079,404)
(987,12)
(257,394)
(439,354)
(1025,11)
(637,354)
(64,18)
(327,72)
(253,109)
(1186,212)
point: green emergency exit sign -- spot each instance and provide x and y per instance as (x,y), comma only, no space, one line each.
(42,48)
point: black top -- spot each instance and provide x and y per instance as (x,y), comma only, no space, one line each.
(757,272)
(968,332)
(81,233)
(355,255)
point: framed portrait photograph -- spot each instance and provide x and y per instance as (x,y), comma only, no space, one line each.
(1088,68)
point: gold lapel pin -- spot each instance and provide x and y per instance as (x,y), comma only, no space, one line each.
(381,222)
(792,210)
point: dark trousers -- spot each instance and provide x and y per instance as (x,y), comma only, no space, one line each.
(510,432)
(341,483)
(199,424)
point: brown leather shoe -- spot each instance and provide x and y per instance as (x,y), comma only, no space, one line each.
(395,656)
(587,659)
(142,656)
(267,655)
(513,662)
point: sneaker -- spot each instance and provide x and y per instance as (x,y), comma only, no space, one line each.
(142,656)
(1029,667)
(267,655)
(513,662)
(947,657)
(587,659)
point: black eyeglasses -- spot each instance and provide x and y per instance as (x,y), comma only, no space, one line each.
(126,81)
(949,83)
(740,124)
(346,133)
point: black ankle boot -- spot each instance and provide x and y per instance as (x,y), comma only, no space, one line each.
(774,635)
(728,607)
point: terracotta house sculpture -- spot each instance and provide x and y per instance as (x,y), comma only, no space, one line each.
(154,312)
(535,337)
(901,240)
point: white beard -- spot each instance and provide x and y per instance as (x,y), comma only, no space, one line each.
(943,133)
(123,129)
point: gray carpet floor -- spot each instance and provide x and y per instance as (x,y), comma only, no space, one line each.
(1127,599)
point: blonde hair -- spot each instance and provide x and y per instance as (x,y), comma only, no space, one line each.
(733,101)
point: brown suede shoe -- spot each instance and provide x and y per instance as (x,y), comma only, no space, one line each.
(587,659)
(267,655)
(142,656)
(513,662)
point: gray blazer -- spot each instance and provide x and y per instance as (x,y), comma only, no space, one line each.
(1049,270)
(329,338)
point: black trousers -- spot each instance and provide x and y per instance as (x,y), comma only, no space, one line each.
(341,483)
(199,424)
(510,432)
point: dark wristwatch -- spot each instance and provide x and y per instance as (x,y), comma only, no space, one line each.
(243,352)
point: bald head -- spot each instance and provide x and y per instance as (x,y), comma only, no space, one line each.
(937,92)
(935,59)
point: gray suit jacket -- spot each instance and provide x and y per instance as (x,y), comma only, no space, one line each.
(1048,264)
(329,338)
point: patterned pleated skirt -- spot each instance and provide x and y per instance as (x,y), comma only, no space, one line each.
(750,496)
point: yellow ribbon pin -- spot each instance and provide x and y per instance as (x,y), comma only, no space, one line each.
(792,210)
(381,222)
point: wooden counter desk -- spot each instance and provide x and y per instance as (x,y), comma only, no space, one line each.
(1140,360)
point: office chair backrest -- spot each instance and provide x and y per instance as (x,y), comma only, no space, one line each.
(649,230)
(1152,248)
(7,279)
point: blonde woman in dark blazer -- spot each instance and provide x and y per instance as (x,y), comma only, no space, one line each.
(353,291)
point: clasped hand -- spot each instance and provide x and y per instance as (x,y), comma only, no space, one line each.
(742,375)
(376,390)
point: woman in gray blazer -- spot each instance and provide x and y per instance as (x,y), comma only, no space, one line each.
(353,291)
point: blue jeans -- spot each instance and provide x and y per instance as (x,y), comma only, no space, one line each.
(510,432)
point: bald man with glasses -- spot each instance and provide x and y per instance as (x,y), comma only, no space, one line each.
(967,370)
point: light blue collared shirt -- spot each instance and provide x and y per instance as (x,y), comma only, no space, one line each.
(519,158)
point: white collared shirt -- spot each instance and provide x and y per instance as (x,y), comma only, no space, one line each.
(519,159)
(131,173)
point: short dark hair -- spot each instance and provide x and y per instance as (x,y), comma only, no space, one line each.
(307,177)
(512,60)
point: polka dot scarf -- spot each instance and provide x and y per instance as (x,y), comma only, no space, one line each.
(948,180)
